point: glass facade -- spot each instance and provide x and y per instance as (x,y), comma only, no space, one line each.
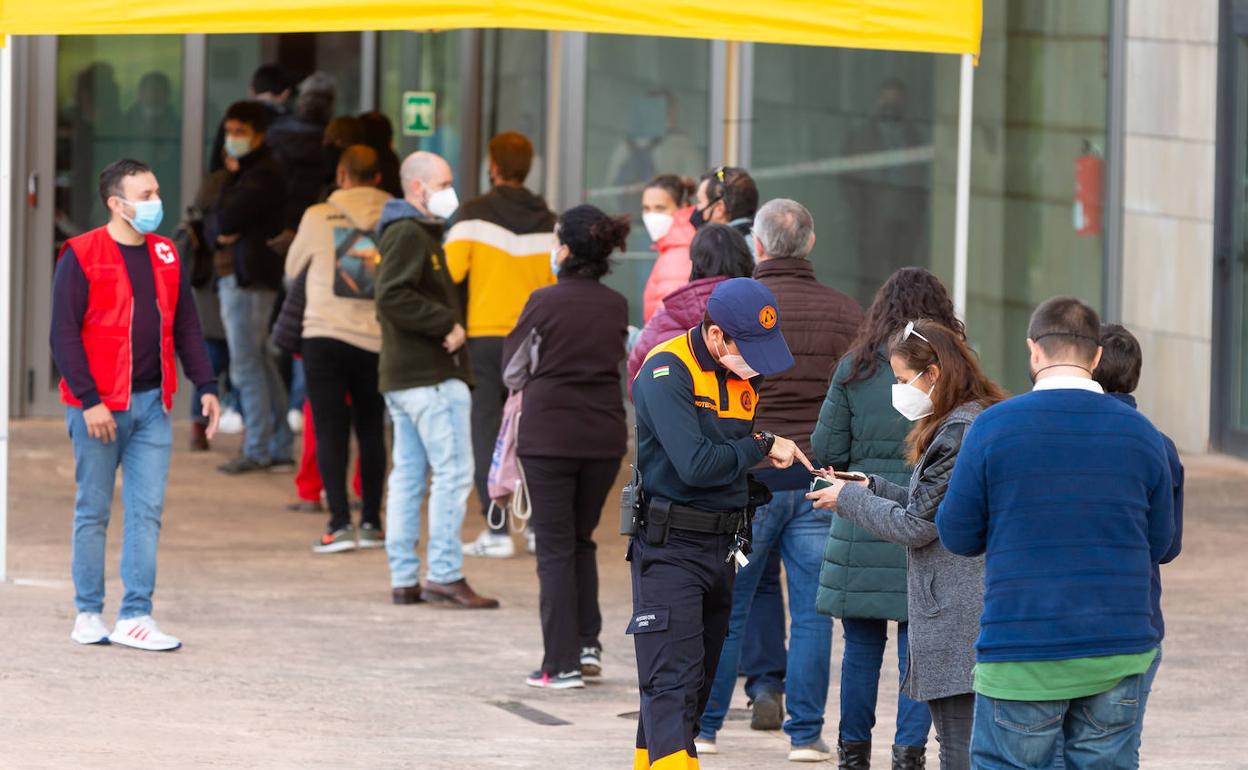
(116,97)
(871,148)
(425,61)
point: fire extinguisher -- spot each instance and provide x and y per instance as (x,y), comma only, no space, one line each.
(1089,185)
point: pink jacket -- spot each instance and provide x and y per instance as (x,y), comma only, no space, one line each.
(682,310)
(671,270)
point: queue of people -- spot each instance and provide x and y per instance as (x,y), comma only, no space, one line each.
(781,431)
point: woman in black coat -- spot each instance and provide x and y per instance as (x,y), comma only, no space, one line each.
(572,434)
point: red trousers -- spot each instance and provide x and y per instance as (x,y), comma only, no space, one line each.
(308,480)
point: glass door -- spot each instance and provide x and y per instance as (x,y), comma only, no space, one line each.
(1230,320)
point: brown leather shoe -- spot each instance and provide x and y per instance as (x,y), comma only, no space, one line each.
(457,594)
(199,437)
(407,595)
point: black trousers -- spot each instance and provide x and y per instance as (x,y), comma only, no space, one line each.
(682,600)
(952,717)
(488,397)
(336,371)
(568,496)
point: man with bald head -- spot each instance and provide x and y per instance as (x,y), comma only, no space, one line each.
(425,376)
(336,246)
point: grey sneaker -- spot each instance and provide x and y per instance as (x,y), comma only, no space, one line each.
(768,712)
(819,751)
(337,541)
(242,464)
(371,537)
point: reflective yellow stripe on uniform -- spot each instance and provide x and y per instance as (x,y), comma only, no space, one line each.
(737,403)
(678,761)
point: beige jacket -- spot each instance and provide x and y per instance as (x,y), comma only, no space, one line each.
(353,321)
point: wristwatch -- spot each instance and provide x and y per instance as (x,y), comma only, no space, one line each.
(765,440)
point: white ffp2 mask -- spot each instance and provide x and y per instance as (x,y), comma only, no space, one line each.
(913,403)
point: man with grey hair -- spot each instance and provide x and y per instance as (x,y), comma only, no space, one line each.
(425,376)
(819,325)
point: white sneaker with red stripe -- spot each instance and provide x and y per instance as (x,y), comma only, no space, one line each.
(142,633)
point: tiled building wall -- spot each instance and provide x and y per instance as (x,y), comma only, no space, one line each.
(1167,291)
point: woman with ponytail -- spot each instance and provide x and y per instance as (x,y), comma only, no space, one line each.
(572,433)
(940,387)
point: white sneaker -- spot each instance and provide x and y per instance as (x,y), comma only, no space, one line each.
(230,422)
(294,418)
(89,628)
(493,545)
(811,752)
(705,746)
(530,541)
(142,633)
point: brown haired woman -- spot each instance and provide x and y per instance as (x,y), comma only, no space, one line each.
(941,387)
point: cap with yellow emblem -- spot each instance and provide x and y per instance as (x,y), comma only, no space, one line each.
(746,310)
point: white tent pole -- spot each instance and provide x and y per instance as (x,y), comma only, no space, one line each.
(7,212)
(961,237)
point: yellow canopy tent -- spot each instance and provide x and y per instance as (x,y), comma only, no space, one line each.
(929,26)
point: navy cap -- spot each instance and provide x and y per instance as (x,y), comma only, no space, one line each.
(746,311)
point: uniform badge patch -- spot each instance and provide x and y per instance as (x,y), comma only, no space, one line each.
(662,371)
(747,401)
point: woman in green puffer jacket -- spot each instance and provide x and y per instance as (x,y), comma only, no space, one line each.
(863,579)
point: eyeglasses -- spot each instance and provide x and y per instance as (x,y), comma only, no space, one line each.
(905,335)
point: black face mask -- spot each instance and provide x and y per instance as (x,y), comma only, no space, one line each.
(698,217)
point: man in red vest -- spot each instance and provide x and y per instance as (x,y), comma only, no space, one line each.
(121,307)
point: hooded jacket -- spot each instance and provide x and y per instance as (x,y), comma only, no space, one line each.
(671,270)
(682,310)
(417,304)
(325,314)
(501,245)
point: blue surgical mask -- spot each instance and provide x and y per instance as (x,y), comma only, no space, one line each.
(554,259)
(237,146)
(147,215)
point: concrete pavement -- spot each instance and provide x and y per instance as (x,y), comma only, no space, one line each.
(294,660)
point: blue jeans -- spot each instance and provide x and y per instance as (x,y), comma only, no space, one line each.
(142,448)
(789,523)
(1059,761)
(763,656)
(298,385)
(219,357)
(860,683)
(1100,731)
(432,436)
(245,313)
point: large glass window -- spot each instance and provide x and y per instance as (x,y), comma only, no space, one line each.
(232,59)
(870,146)
(513,96)
(646,113)
(431,62)
(117,97)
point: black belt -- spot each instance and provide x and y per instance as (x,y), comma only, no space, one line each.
(694,519)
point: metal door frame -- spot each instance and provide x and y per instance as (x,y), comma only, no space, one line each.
(1232,27)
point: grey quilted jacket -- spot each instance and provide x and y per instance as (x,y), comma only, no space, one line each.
(946,592)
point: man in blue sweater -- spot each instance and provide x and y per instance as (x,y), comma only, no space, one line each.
(1069,496)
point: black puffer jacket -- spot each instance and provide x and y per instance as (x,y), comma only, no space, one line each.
(251,206)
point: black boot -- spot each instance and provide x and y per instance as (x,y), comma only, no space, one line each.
(853,755)
(909,758)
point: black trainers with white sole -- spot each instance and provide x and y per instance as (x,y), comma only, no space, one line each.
(565,681)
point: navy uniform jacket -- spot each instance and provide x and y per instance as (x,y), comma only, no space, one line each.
(695,426)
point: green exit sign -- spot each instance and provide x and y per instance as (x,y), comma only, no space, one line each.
(418,113)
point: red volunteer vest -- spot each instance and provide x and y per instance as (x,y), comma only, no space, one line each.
(110,312)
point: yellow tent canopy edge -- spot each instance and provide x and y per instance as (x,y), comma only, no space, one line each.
(931,26)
